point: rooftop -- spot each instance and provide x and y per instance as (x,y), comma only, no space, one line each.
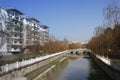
(44,26)
(34,19)
(16,10)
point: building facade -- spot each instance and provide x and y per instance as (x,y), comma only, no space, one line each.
(3,21)
(18,31)
(14,29)
(35,33)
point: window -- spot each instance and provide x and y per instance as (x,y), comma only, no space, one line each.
(8,28)
(15,35)
(0,26)
(15,41)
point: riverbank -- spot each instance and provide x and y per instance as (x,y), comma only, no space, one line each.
(25,67)
(18,57)
(34,75)
(110,68)
(96,73)
(73,68)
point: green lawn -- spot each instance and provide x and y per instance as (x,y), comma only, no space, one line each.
(17,57)
(115,60)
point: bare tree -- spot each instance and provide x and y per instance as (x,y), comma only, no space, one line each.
(112,14)
(98,31)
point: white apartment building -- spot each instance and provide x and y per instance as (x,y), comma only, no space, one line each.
(3,20)
(35,33)
(20,31)
(14,29)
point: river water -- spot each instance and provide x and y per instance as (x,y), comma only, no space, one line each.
(76,68)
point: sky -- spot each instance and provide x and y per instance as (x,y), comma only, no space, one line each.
(71,19)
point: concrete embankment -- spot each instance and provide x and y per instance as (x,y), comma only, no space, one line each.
(43,73)
(22,71)
(53,65)
(111,71)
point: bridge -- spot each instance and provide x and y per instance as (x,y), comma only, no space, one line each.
(21,69)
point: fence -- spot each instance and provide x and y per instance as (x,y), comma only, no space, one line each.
(18,64)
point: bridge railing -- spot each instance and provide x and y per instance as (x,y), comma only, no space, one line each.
(18,64)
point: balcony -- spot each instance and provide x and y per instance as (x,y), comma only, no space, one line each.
(16,43)
(15,31)
(18,18)
(15,50)
(16,37)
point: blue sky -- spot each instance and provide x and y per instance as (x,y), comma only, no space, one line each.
(71,19)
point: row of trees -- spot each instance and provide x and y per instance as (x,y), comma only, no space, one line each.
(107,38)
(52,46)
(55,46)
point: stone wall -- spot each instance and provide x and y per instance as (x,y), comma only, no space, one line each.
(27,69)
(108,69)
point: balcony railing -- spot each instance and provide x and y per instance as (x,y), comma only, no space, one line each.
(2,42)
(18,18)
(18,43)
(15,50)
(17,37)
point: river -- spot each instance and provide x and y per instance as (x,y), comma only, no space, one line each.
(76,68)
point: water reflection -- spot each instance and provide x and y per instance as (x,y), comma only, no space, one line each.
(96,73)
(75,68)
(70,69)
(54,73)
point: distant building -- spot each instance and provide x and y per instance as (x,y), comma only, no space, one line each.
(83,44)
(18,32)
(73,45)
